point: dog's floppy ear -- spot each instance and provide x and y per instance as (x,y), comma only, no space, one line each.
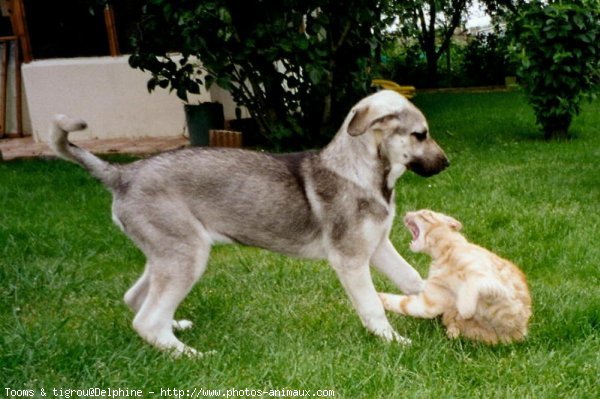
(360,122)
(364,117)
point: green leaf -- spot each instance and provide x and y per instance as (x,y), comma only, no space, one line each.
(302,43)
(192,87)
(182,93)
(163,83)
(208,81)
(224,82)
(151,84)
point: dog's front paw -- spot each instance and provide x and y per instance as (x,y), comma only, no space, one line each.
(402,340)
(388,334)
(414,287)
(190,352)
(412,284)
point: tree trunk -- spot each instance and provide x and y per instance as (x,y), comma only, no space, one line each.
(427,26)
(432,68)
(557,128)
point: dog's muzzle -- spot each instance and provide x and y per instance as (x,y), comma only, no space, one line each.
(429,166)
(431,161)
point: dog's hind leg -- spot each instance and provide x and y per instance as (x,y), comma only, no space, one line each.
(136,295)
(171,276)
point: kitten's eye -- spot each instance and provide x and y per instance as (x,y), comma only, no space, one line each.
(420,136)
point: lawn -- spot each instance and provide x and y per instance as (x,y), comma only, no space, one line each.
(282,323)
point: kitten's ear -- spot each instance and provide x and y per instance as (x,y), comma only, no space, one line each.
(453,223)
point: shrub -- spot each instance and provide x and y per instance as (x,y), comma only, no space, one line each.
(482,61)
(296,65)
(403,63)
(486,60)
(558,46)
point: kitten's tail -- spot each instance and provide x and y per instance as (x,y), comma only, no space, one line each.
(62,125)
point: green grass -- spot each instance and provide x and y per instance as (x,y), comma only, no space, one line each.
(278,322)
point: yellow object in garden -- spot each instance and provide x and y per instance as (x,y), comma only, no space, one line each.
(406,91)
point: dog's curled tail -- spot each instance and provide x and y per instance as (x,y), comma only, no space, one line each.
(62,125)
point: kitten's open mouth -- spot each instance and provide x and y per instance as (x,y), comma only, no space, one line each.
(413,228)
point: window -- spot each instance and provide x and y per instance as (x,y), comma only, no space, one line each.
(76,28)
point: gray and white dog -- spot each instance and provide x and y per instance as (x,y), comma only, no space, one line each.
(335,204)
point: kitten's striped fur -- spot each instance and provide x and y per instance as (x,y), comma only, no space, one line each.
(479,295)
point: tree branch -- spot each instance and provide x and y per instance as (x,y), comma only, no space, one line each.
(342,39)
(418,14)
(458,8)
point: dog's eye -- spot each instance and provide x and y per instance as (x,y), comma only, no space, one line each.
(420,136)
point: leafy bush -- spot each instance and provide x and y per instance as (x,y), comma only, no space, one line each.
(296,65)
(558,46)
(482,61)
(403,63)
(486,60)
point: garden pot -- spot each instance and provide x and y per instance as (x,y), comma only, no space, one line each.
(200,119)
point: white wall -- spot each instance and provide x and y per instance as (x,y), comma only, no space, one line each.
(107,93)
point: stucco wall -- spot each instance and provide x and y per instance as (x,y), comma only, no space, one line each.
(108,94)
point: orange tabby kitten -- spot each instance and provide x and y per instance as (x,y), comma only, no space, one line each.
(479,295)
